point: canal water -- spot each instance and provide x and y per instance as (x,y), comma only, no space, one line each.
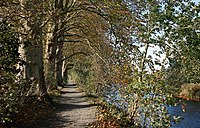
(191,117)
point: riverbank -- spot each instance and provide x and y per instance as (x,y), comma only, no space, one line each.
(188,99)
(190,92)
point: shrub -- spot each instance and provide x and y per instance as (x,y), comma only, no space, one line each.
(9,44)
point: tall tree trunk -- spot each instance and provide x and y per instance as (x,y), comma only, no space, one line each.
(52,47)
(34,70)
(34,58)
(56,46)
(48,37)
(65,75)
(59,64)
(66,67)
(42,84)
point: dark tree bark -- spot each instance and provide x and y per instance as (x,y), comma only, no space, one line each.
(59,65)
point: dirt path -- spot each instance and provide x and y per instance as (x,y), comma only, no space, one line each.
(73,110)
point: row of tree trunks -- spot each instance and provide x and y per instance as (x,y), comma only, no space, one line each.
(39,49)
(55,46)
(45,49)
(52,47)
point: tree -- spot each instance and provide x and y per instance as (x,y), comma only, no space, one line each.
(181,34)
(155,24)
(33,46)
(146,91)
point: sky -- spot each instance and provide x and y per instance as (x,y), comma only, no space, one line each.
(196,1)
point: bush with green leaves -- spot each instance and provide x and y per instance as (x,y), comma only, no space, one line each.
(8,103)
(9,44)
(141,103)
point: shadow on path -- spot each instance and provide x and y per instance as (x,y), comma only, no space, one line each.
(72,110)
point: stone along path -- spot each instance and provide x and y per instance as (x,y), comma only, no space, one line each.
(73,110)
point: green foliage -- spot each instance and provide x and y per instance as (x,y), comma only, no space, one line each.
(89,75)
(8,103)
(173,26)
(9,43)
(82,71)
(50,82)
(181,34)
(82,74)
(147,107)
(141,104)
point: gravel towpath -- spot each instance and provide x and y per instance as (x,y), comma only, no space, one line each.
(73,110)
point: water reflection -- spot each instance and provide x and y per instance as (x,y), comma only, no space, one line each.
(191,118)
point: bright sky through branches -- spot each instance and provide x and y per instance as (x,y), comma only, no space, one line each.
(196,1)
(152,49)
